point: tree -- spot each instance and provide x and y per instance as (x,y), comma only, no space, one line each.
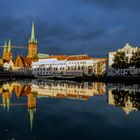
(120,61)
(135,59)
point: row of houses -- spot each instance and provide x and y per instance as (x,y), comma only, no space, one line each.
(77,65)
(58,64)
(69,65)
(43,64)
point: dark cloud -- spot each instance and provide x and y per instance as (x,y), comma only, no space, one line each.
(71,26)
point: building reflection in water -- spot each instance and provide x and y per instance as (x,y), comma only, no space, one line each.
(124,96)
(53,89)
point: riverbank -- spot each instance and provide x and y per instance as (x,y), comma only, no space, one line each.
(5,76)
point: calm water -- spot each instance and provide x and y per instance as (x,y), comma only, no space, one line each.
(67,110)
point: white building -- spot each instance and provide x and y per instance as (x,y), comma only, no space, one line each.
(7,66)
(128,50)
(66,65)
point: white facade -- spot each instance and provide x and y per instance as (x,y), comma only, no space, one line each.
(128,49)
(22,70)
(7,66)
(76,67)
(124,72)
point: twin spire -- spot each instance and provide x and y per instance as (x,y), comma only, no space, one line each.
(7,48)
(33,39)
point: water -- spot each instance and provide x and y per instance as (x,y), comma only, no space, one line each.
(67,110)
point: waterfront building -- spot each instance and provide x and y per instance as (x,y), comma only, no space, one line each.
(128,50)
(68,65)
(8,66)
(40,64)
(22,65)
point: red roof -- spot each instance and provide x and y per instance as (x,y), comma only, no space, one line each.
(59,57)
(78,57)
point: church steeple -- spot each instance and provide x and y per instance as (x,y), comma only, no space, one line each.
(5,48)
(32,46)
(33,39)
(9,46)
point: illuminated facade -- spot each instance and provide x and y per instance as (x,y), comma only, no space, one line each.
(7,53)
(128,50)
(32,46)
(76,65)
(22,65)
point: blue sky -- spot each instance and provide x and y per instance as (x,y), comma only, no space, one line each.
(68,27)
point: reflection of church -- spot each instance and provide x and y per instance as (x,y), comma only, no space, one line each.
(35,89)
(20,90)
(125,97)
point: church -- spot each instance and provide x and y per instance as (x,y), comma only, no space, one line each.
(21,64)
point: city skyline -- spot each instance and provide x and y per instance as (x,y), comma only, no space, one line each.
(61,30)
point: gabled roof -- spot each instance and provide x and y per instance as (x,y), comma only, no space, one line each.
(26,61)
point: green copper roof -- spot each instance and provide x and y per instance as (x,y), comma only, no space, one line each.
(33,34)
(5,47)
(9,46)
(41,55)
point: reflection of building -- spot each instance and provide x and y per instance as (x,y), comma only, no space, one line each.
(31,91)
(125,97)
(68,90)
(20,90)
(31,107)
(25,90)
(6,91)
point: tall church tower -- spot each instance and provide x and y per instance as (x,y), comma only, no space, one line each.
(32,46)
(7,53)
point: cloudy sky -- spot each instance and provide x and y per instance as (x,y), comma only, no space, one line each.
(91,27)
